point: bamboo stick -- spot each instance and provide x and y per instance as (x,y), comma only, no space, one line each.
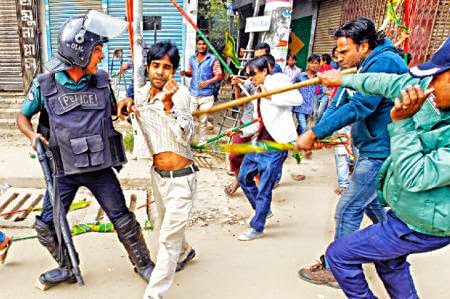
(242,101)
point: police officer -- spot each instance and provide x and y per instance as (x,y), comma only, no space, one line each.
(76,106)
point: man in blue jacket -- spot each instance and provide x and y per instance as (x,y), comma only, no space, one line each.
(358,45)
(204,70)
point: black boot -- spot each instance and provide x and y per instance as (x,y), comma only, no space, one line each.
(130,234)
(47,237)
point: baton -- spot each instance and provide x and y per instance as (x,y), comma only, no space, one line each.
(242,101)
(64,225)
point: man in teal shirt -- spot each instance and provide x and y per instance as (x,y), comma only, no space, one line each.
(414,181)
(75,105)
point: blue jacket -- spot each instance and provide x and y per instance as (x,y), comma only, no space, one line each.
(369,115)
(200,72)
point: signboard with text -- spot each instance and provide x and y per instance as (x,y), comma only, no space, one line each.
(257,24)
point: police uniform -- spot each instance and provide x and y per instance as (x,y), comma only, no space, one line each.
(76,120)
(94,159)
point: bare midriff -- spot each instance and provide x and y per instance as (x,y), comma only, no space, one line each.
(170,161)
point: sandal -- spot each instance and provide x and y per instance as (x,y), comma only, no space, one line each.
(298,177)
(231,188)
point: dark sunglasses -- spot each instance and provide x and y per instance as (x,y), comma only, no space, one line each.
(250,74)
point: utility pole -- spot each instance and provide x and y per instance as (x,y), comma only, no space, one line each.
(138,66)
(251,36)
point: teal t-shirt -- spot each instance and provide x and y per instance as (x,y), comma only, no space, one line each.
(34,102)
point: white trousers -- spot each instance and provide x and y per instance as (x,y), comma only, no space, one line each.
(173,200)
(202,103)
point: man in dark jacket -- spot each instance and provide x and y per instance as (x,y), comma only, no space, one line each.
(414,181)
(358,45)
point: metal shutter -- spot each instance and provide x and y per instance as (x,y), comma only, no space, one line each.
(171,24)
(371,9)
(441,30)
(59,11)
(328,20)
(10,54)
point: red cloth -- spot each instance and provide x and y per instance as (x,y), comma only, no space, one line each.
(324,68)
(263,134)
(236,159)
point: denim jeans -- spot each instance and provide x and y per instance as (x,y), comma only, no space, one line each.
(360,197)
(268,165)
(322,106)
(342,160)
(281,171)
(387,245)
(342,169)
(2,236)
(104,186)
(302,120)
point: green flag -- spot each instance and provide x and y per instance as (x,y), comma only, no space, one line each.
(392,14)
(230,50)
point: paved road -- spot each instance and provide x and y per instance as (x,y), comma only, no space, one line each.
(225,268)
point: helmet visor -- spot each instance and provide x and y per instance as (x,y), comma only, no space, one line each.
(104,25)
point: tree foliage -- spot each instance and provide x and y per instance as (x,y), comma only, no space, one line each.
(213,20)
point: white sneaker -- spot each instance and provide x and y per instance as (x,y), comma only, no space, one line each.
(249,234)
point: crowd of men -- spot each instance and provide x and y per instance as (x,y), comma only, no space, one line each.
(400,128)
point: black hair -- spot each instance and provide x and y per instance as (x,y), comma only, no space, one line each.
(158,50)
(314,57)
(260,63)
(291,56)
(403,53)
(326,58)
(198,38)
(264,46)
(270,59)
(333,51)
(361,30)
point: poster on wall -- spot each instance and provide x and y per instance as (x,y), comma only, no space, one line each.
(277,37)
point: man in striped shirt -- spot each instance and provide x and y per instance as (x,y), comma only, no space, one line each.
(167,127)
(204,70)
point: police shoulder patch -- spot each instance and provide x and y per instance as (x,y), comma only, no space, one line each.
(31,95)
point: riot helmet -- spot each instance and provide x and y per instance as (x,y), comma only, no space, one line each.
(78,37)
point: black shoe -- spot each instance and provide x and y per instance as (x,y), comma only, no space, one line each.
(145,272)
(183,263)
(57,276)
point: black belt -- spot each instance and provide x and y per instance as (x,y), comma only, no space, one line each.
(177,173)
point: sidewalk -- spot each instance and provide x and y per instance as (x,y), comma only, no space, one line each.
(18,169)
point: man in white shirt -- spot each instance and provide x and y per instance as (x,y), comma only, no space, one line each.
(291,69)
(276,125)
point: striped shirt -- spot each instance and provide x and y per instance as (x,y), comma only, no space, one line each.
(309,94)
(169,131)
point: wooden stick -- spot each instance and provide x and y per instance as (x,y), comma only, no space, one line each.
(242,101)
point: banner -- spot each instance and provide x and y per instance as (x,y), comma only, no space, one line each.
(277,37)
